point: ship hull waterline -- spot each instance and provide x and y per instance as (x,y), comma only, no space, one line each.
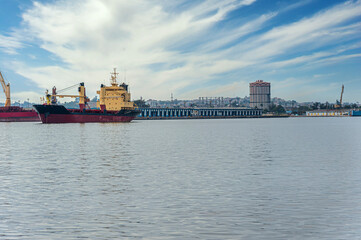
(59,114)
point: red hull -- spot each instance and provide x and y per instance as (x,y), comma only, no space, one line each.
(59,114)
(78,118)
(26,116)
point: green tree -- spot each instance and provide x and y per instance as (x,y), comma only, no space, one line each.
(315,105)
(276,109)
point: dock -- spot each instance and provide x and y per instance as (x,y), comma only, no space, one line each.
(197,113)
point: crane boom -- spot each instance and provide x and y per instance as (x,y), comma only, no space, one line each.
(341,96)
(83,99)
(6,89)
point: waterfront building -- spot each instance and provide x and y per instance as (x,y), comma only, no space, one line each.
(260,94)
(327,113)
(164,113)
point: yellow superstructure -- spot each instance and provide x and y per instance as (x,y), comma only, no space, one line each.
(115,97)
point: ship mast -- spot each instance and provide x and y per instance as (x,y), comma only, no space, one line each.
(114,77)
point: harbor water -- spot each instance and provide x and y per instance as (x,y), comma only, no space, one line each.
(291,178)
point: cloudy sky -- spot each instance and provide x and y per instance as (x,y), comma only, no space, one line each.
(306,48)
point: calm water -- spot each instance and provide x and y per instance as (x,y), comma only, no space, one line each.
(297,178)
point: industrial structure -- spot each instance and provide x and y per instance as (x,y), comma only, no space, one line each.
(176,113)
(211,101)
(339,104)
(260,94)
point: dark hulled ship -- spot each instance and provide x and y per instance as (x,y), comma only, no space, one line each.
(114,105)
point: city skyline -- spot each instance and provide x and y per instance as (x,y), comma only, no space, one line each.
(306,49)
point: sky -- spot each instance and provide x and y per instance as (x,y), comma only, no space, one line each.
(306,49)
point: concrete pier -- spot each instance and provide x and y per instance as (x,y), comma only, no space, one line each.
(181,113)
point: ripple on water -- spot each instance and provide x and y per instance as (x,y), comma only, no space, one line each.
(189,179)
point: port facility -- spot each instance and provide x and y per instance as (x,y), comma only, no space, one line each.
(181,113)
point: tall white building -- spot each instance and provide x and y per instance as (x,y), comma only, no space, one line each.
(260,94)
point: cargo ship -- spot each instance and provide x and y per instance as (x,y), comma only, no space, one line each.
(114,105)
(10,113)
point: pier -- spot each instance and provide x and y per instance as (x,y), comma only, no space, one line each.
(181,113)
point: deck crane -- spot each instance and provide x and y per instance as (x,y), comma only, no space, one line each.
(6,89)
(83,99)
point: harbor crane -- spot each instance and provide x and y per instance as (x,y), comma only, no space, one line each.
(341,96)
(339,104)
(6,89)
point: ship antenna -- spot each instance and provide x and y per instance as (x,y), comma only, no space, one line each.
(114,77)
(125,76)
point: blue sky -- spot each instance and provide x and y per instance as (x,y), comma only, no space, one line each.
(307,49)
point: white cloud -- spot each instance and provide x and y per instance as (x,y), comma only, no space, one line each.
(296,5)
(239,88)
(318,30)
(339,58)
(24,96)
(222,38)
(93,36)
(164,49)
(332,55)
(9,45)
(323,75)
(308,89)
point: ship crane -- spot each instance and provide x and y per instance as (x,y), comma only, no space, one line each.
(83,99)
(6,89)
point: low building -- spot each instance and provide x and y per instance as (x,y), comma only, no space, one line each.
(164,113)
(327,113)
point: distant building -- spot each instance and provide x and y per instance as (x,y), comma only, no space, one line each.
(152,103)
(260,94)
(327,113)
